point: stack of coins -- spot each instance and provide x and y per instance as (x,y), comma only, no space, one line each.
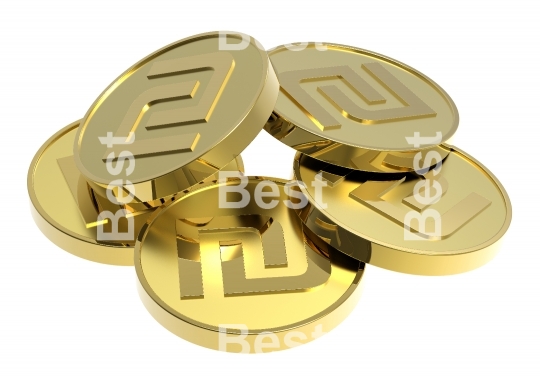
(152,176)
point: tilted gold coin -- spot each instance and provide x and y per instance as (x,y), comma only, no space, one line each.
(178,115)
(67,211)
(448,220)
(242,279)
(355,108)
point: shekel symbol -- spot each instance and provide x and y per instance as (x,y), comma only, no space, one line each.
(412,106)
(227,239)
(220,63)
(419,218)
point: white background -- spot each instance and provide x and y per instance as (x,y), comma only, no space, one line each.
(63,315)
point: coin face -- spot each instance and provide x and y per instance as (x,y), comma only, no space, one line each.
(241,279)
(180,115)
(356,108)
(67,211)
(445,221)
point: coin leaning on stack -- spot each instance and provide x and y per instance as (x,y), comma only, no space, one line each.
(152,176)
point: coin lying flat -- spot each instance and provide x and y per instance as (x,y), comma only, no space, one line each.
(355,108)
(67,211)
(447,220)
(177,116)
(241,279)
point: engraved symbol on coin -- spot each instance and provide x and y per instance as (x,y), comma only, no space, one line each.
(222,68)
(225,241)
(413,107)
(443,224)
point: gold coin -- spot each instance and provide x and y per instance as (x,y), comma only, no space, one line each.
(66,210)
(241,279)
(355,108)
(179,115)
(448,220)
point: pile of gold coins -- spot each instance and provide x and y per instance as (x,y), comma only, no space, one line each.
(152,176)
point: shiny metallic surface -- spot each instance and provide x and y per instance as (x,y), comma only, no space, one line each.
(66,209)
(355,108)
(202,267)
(377,218)
(182,114)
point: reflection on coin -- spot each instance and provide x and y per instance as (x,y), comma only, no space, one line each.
(66,209)
(447,221)
(241,279)
(356,108)
(178,115)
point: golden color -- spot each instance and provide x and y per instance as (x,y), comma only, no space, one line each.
(183,112)
(66,209)
(202,267)
(354,108)
(366,214)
